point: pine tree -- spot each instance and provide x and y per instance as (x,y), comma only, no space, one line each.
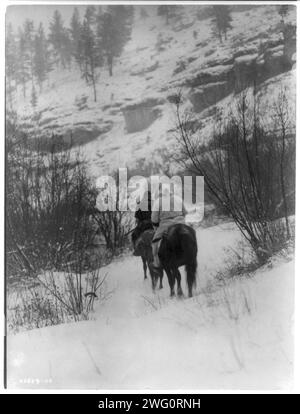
(114,29)
(60,40)
(222,20)
(75,32)
(41,56)
(90,15)
(11,61)
(168,11)
(283,11)
(143,13)
(33,99)
(164,10)
(91,54)
(28,30)
(23,69)
(10,53)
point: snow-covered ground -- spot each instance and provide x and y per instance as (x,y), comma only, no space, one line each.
(232,335)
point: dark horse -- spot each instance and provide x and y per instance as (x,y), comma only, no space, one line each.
(143,219)
(135,238)
(178,247)
(143,248)
(145,260)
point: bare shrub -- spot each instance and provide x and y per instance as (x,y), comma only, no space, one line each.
(76,292)
(31,309)
(50,231)
(57,298)
(113,223)
(240,262)
(48,202)
(249,170)
(115,226)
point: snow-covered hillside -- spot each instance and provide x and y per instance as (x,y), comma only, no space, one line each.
(133,117)
(235,334)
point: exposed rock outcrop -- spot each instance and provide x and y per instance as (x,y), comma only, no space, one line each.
(139,115)
(57,137)
(143,70)
(207,95)
(220,77)
(82,133)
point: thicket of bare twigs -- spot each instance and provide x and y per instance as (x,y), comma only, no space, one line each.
(51,224)
(249,169)
(48,198)
(51,219)
(55,298)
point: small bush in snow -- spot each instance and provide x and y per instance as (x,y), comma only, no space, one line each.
(56,298)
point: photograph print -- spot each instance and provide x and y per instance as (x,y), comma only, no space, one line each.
(150,196)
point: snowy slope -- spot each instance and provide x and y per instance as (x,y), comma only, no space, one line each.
(143,72)
(232,335)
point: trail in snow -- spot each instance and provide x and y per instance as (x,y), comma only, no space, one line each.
(233,337)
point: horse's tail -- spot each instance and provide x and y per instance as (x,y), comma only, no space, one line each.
(189,246)
(191,269)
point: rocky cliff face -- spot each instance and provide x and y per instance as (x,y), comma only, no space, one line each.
(253,64)
(133,118)
(140,115)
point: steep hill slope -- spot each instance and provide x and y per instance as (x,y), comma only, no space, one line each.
(133,117)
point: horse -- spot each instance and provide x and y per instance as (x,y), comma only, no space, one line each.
(140,252)
(143,248)
(178,247)
(134,238)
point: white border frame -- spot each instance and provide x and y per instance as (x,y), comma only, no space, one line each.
(296,389)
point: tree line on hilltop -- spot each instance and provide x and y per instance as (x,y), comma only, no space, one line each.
(91,42)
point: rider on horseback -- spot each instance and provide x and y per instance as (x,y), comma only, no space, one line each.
(162,219)
(143,217)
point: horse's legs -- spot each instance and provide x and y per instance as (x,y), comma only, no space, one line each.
(171,278)
(153,274)
(161,278)
(144,266)
(178,278)
(160,273)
